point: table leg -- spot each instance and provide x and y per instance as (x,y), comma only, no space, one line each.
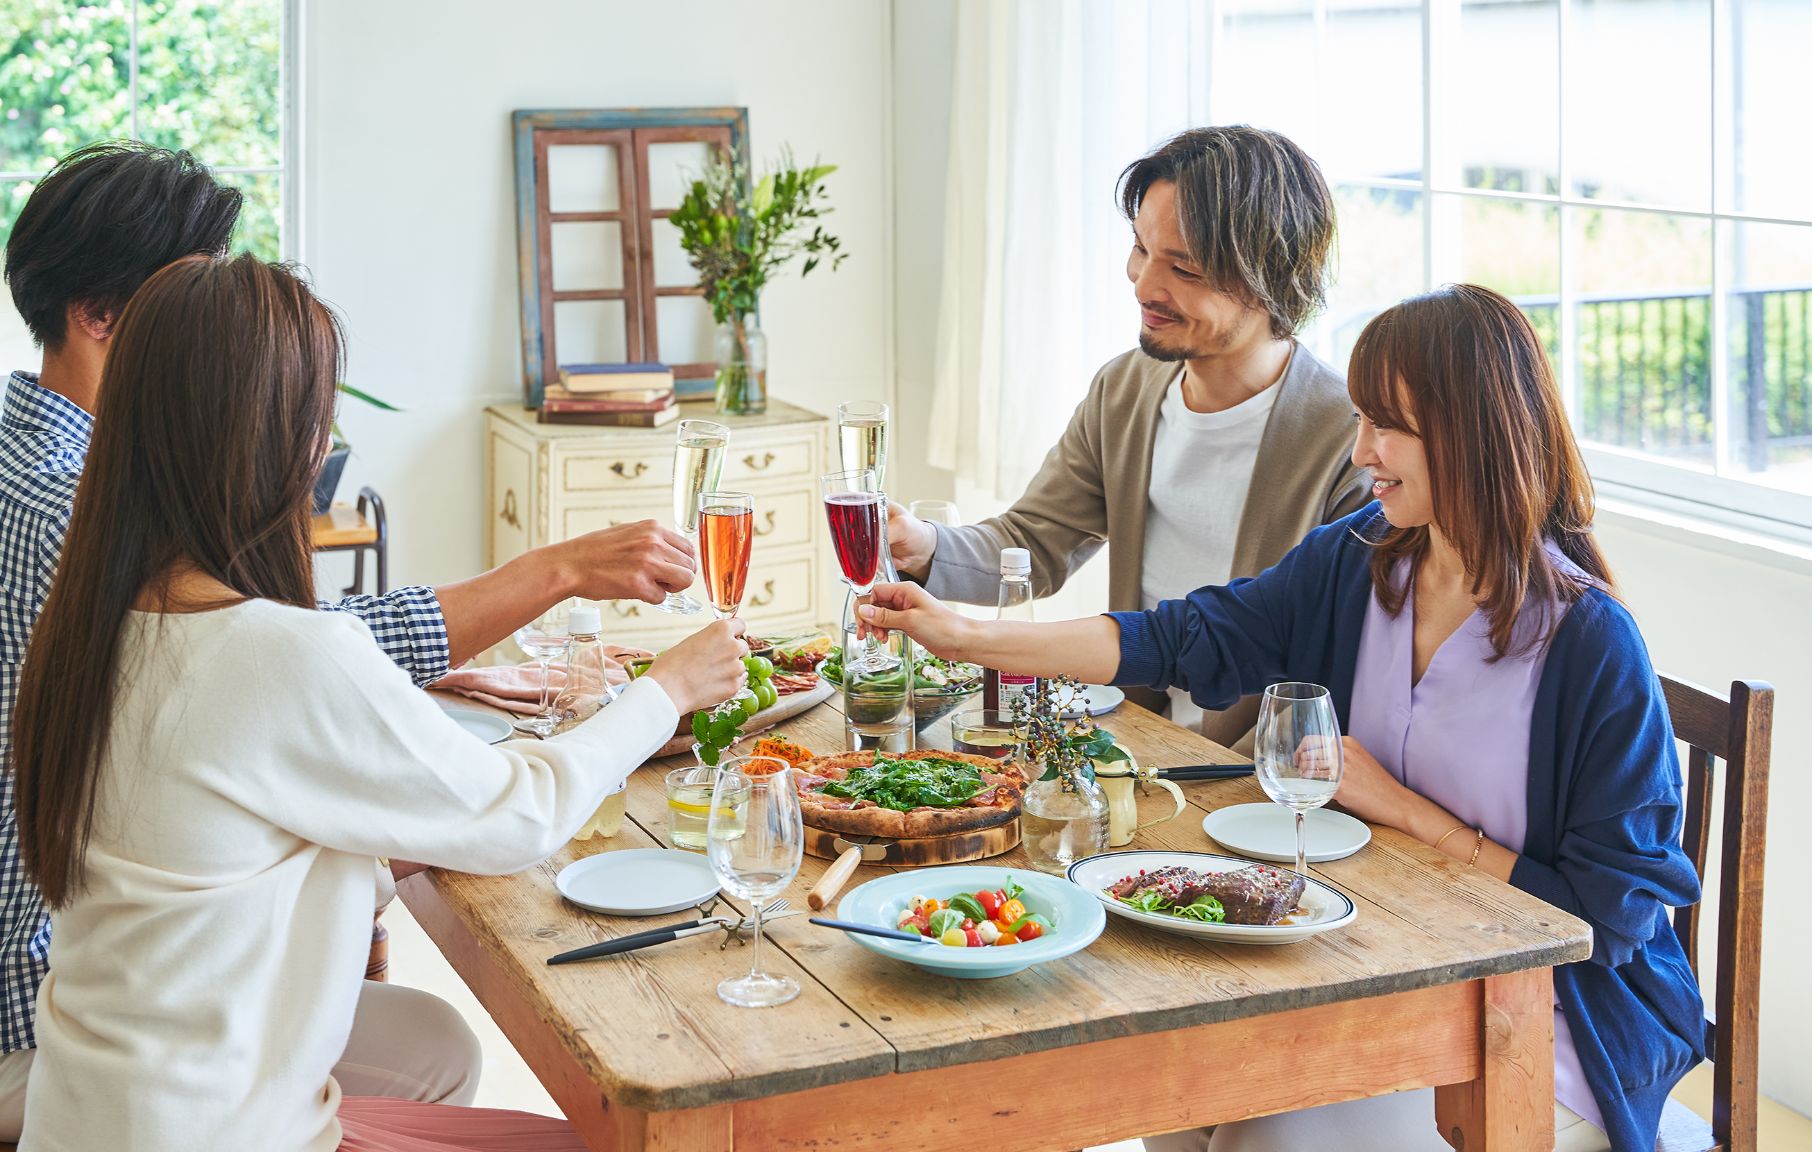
(1510,1107)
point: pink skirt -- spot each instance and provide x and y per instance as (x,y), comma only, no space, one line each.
(381,1124)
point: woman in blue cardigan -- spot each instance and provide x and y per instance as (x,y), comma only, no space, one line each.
(1498,701)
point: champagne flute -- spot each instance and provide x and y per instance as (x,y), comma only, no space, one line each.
(726,530)
(1297,752)
(542,639)
(857,509)
(755,839)
(698,466)
(862,437)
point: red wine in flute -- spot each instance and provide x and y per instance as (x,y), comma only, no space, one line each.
(855,525)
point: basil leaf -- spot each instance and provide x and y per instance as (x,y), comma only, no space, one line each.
(945,919)
(968,906)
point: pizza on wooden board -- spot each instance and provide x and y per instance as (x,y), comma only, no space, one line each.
(910,795)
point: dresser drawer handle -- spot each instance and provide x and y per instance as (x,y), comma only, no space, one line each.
(761,465)
(508,515)
(760,531)
(620,609)
(628,473)
(766,597)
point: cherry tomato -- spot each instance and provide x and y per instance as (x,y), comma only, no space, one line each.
(990,902)
(968,924)
(1030,930)
(1012,910)
(973,937)
(1006,938)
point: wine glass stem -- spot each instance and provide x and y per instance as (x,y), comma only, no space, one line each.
(1302,860)
(543,661)
(755,956)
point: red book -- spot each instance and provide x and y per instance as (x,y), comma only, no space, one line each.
(557,399)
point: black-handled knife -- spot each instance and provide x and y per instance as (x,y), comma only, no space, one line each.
(872,930)
(1188,772)
(637,940)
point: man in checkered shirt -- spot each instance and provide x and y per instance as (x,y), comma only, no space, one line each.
(96,227)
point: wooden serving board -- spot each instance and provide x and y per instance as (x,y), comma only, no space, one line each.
(921,851)
(787,708)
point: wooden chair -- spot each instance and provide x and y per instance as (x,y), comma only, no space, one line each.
(1736,731)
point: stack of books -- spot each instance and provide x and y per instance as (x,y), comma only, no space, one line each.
(629,395)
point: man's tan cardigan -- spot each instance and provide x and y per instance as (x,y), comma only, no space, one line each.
(1093,487)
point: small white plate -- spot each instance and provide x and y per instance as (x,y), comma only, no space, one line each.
(1099,700)
(638,881)
(1321,909)
(487,726)
(1268,832)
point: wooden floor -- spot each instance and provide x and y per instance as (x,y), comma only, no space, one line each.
(508,1083)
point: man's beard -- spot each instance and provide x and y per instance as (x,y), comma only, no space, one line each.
(1152,347)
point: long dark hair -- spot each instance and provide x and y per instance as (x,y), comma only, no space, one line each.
(1464,371)
(214,415)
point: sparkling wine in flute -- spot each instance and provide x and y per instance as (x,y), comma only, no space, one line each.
(855,525)
(726,532)
(698,466)
(862,438)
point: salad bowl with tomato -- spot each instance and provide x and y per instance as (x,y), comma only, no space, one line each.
(1025,918)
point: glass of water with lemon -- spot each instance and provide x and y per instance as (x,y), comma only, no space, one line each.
(689,806)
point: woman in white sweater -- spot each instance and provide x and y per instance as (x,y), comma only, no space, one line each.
(206,765)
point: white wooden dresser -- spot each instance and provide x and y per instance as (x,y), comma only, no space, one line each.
(550,482)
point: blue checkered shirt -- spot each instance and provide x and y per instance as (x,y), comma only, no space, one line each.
(43,444)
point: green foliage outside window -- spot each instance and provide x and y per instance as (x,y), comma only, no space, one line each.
(209,80)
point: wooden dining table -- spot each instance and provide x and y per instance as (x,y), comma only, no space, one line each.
(1443,980)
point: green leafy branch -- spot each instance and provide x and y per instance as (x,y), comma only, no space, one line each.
(739,237)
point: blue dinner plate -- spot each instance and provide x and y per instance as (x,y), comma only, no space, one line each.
(1077,918)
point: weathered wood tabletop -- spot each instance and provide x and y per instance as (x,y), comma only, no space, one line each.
(1444,980)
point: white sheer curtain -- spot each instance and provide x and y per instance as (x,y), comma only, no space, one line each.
(1052,99)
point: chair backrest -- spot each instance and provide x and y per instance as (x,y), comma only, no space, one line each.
(1737,731)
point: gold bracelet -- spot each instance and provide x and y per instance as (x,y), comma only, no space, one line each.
(1449,832)
(1476,845)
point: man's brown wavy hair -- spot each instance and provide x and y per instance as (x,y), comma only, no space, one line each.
(1255,212)
(1461,369)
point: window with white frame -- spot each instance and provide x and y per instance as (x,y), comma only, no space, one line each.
(1632,172)
(205,75)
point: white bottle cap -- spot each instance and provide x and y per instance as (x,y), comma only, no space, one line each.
(584,620)
(1015,562)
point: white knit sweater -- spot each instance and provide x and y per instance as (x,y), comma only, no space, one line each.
(203,984)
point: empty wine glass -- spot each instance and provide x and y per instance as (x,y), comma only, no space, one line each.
(857,509)
(935,512)
(754,839)
(698,466)
(542,639)
(1297,752)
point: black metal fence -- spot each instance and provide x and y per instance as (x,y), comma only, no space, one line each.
(1644,366)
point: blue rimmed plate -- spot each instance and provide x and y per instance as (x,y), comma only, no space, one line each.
(1322,909)
(1076,918)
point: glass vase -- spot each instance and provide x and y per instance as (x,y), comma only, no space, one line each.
(1065,818)
(742,367)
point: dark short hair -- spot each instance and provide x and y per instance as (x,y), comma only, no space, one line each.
(104,220)
(1255,212)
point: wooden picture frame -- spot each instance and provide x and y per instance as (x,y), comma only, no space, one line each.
(631,132)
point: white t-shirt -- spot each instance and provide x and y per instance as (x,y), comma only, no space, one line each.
(1201,468)
(202,986)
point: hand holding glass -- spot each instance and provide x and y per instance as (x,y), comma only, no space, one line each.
(698,466)
(755,839)
(1297,752)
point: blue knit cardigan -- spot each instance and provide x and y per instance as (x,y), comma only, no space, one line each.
(1603,839)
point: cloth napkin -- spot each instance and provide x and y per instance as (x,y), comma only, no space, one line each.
(517,687)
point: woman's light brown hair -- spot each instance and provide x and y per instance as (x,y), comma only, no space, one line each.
(1461,369)
(215,411)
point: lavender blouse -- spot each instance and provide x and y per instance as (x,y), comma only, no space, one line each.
(1460,737)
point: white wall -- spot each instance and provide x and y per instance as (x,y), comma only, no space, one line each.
(1713,615)
(409,205)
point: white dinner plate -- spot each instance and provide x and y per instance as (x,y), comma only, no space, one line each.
(487,726)
(1268,832)
(638,881)
(1322,908)
(1099,700)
